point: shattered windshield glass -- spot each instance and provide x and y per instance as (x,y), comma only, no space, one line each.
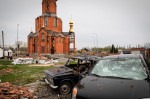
(124,68)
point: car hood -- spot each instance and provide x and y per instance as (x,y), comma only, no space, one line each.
(58,71)
(92,87)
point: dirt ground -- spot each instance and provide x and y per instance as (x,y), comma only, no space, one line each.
(42,90)
(41,65)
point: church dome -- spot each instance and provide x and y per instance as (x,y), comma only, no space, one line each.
(71,22)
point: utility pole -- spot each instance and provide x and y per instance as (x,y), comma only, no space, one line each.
(3,43)
(17,39)
(96,41)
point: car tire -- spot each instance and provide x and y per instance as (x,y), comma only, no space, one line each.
(65,88)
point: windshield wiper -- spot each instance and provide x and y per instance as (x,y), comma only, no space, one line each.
(117,77)
(111,76)
(96,75)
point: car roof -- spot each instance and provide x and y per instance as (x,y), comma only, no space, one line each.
(124,56)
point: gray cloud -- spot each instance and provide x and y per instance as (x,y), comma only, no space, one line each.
(119,22)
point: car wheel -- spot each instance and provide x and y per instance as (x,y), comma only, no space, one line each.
(65,88)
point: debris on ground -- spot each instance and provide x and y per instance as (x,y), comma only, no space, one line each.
(44,91)
(62,60)
(47,61)
(32,61)
(6,71)
(23,61)
(32,87)
(41,65)
(8,91)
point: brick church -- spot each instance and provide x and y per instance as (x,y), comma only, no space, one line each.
(48,36)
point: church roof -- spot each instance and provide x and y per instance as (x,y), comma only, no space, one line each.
(43,0)
(65,33)
(49,31)
(56,34)
(31,34)
(48,14)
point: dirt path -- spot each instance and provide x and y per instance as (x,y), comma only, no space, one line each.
(42,90)
(49,93)
(43,65)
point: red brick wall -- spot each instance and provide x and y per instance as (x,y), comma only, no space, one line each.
(66,45)
(52,6)
(61,45)
(28,45)
(50,24)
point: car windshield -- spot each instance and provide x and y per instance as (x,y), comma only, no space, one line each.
(123,68)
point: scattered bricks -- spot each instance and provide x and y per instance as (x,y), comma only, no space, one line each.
(0,91)
(26,94)
(4,71)
(12,88)
(7,83)
(4,90)
(1,84)
(2,97)
(8,70)
(31,96)
(21,92)
(8,91)
(12,92)
(24,88)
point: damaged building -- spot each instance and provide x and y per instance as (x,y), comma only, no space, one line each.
(48,36)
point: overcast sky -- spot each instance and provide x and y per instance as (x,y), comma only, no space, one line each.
(119,22)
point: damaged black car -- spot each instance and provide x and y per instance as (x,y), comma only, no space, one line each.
(116,77)
(64,78)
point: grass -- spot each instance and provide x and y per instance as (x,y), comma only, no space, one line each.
(5,62)
(21,74)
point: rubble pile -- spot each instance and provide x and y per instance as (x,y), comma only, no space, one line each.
(23,61)
(62,60)
(8,91)
(8,70)
(47,61)
(32,61)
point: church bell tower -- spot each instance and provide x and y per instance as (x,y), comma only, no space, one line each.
(49,6)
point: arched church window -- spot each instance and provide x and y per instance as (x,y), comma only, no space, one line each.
(42,36)
(46,21)
(37,23)
(47,6)
(55,22)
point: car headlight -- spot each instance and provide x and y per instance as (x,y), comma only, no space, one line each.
(50,79)
(74,93)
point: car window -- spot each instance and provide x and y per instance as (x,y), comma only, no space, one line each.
(71,62)
(125,68)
